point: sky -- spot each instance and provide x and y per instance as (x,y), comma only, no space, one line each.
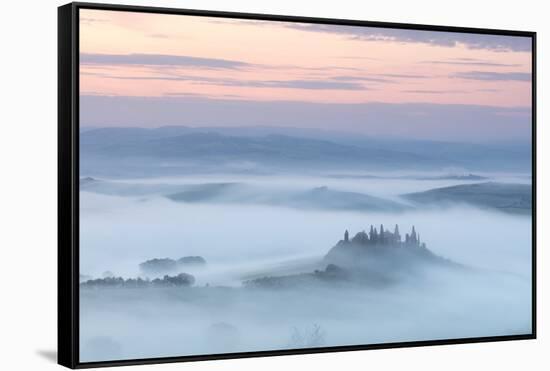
(150,70)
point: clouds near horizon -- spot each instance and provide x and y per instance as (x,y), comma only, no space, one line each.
(171,68)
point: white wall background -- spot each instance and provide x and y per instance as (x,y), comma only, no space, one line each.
(28,183)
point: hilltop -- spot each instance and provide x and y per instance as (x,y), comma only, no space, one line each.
(377,258)
(506,197)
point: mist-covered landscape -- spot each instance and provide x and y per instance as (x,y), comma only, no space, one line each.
(252,185)
(259,275)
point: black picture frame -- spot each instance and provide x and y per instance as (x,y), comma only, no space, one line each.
(68,183)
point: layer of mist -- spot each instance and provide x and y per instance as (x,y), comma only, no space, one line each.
(205,320)
(180,229)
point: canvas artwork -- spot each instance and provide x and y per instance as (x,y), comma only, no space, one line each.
(256,185)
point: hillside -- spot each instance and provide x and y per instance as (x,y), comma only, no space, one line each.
(506,197)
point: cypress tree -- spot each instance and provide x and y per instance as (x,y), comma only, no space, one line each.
(371,232)
(396,234)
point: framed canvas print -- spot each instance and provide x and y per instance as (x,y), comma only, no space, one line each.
(237,185)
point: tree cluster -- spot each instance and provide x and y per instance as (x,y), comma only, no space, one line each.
(180,280)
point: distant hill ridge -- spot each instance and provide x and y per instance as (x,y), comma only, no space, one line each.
(292,147)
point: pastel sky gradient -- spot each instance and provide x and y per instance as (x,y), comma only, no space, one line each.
(130,58)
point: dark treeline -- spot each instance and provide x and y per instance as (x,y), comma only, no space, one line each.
(181,280)
(384,238)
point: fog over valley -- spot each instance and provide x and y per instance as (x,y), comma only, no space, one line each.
(266,279)
(264,229)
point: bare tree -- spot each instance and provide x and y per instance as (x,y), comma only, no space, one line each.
(312,336)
